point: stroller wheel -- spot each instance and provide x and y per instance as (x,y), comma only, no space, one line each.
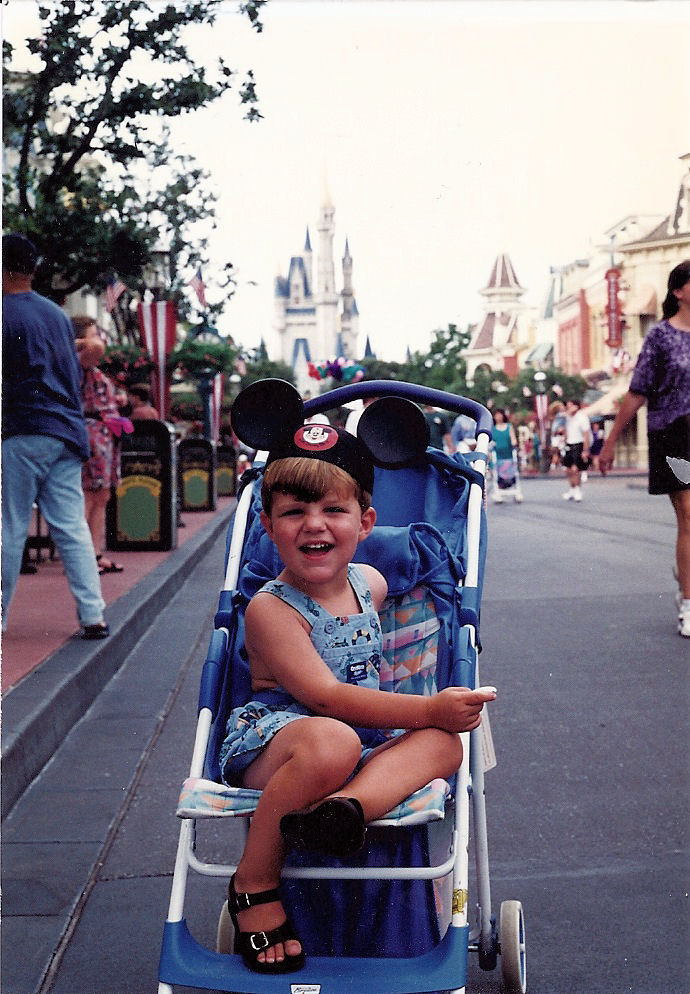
(513,952)
(225,937)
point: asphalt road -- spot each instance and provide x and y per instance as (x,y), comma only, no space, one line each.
(587,808)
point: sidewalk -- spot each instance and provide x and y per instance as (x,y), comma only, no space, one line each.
(50,676)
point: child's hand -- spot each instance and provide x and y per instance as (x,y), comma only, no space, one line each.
(458,709)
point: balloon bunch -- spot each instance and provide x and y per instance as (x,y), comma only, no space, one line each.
(342,370)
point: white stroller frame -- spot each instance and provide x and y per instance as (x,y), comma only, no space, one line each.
(483,937)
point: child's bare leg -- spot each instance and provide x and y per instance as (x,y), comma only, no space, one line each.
(397,769)
(305,762)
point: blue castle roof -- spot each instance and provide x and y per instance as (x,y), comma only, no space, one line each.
(297,265)
(301,345)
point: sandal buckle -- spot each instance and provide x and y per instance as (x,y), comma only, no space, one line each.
(242,901)
(255,935)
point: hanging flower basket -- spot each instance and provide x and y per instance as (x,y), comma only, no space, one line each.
(126,364)
(193,358)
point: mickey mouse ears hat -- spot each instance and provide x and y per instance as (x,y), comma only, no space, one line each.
(392,432)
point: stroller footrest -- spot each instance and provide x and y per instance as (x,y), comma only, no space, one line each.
(184,961)
(201,798)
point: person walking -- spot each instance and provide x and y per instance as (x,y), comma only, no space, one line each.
(44,438)
(101,471)
(662,379)
(504,445)
(578,437)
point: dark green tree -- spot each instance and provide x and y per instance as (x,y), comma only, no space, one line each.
(260,367)
(379,369)
(443,366)
(89,173)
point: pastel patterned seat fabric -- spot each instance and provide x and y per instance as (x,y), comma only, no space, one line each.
(206,799)
(410,643)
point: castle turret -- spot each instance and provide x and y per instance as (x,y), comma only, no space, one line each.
(326,298)
(308,263)
(348,322)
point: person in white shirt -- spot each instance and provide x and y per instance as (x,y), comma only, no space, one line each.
(578,438)
(355,414)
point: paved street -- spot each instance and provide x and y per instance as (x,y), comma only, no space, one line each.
(588,807)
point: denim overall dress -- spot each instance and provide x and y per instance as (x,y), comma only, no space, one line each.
(351,648)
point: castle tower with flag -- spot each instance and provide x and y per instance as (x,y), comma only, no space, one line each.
(315,320)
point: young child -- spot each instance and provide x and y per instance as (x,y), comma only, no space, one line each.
(311,738)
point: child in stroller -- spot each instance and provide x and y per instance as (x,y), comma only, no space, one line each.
(313,729)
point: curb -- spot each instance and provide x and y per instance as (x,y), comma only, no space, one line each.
(40,711)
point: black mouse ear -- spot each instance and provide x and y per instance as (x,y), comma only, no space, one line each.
(395,432)
(267,413)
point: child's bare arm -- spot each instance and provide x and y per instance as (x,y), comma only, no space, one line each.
(280,651)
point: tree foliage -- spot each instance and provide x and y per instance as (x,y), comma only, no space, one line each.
(89,174)
(443,366)
(260,367)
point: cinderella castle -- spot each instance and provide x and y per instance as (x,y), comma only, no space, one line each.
(313,319)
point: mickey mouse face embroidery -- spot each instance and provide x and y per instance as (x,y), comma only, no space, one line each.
(316,437)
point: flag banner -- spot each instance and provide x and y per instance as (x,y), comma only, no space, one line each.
(158,326)
(199,287)
(216,401)
(113,292)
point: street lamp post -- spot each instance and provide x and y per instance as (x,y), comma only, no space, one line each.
(541,409)
(205,332)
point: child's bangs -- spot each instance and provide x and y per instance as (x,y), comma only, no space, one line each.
(309,480)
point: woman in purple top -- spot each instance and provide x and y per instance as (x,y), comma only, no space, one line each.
(662,379)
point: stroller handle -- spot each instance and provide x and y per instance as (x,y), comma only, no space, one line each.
(410,391)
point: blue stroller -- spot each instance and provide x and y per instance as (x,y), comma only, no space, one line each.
(393,918)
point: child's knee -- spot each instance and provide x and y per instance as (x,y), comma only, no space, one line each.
(446,749)
(330,747)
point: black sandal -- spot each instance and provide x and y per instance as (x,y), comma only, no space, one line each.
(250,944)
(335,827)
(110,568)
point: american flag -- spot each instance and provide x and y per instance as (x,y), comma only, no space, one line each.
(199,287)
(113,292)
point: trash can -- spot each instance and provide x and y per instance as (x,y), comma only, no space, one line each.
(197,474)
(143,514)
(226,471)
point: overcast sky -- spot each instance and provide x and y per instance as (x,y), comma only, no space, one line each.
(446,132)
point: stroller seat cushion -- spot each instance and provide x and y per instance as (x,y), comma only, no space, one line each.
(201,798)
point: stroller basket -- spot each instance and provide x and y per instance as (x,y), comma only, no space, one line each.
(400,907)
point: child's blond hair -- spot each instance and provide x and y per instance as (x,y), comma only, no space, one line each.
(309,480)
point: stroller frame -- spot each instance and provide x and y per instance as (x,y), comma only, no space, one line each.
(186,962)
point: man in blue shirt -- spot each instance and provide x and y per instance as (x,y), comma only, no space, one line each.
(44,439)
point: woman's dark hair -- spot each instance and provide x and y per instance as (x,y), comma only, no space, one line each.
(501,410)
(142,391)
(677,278)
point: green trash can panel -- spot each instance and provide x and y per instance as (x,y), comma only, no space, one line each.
(138,509)
(195,482)
(225,481)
